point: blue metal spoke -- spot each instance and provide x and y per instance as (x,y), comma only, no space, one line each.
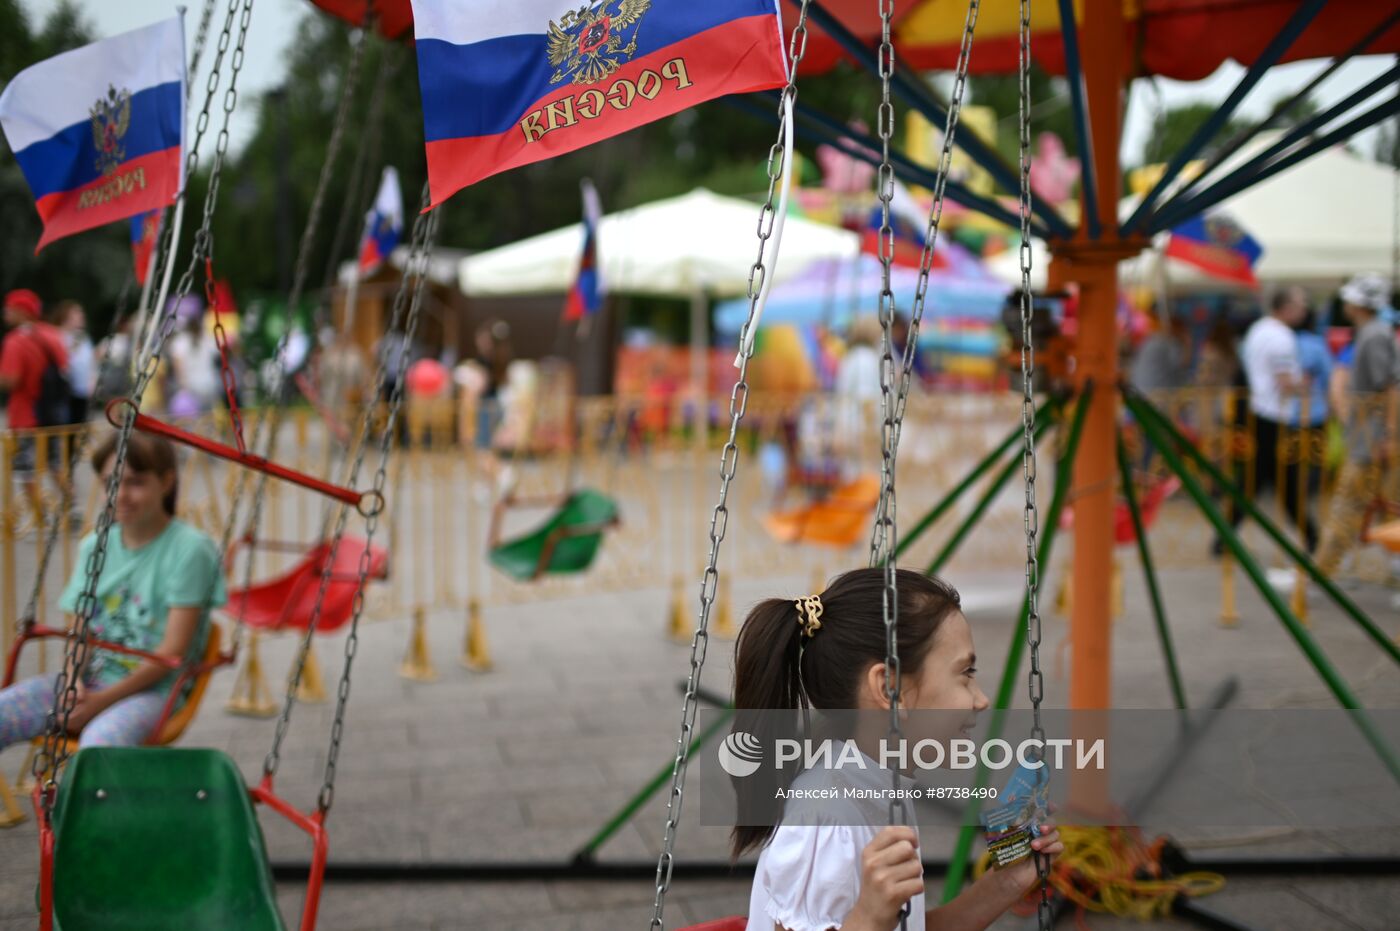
(1304,15)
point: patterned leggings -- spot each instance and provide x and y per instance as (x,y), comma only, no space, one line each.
(24,712)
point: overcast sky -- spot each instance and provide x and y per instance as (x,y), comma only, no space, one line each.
(274,24)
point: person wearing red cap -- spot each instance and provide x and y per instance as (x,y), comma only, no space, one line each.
(29,348)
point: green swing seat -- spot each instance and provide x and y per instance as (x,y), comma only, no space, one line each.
(567,542)
(150,838)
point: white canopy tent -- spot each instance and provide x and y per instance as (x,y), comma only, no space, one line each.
(1319,222)
(697,246)
(700,243)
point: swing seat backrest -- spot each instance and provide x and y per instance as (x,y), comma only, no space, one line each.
(147,839)
(288,601)
(567,542)
(181,717)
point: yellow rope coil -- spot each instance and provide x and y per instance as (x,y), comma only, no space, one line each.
(1112,870)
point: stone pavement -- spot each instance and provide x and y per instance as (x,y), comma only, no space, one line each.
(527,761)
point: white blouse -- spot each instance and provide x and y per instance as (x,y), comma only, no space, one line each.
(808,877)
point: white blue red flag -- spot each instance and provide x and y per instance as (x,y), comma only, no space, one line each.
(509,82)
(145,229)
(908,222)
(383,224)
(1217,245)
(586,296)
(99,131)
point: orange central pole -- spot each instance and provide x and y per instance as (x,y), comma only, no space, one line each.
(1094,266)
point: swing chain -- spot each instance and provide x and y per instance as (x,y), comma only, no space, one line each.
(266,429)
(49,760)
(417,253)
(952,119)
(201,38)
(381,477)
(885,532)
(211,298)
(729,464)
(1035,681)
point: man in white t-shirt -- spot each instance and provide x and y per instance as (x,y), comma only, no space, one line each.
(1269,354)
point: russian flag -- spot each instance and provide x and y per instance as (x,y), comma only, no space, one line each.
(509,82)
(99,131)
(383,224)
(586,296)
(145,229)
(1217,245)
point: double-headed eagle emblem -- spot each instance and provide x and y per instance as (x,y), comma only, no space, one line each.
(111,117)
(1222,230)
(586,44)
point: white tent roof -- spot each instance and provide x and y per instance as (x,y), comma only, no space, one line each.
(698,242)
(1320,222)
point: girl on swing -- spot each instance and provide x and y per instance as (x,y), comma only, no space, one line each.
(816,876)
(158,584)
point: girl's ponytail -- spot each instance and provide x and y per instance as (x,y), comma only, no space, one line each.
(767,677)
(766,657)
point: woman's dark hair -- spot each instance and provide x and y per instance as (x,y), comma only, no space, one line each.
(146,454)
(777,667)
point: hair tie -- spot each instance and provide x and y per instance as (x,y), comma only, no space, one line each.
(809,614)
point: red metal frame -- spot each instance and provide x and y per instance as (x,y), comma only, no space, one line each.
(308,391)
(263,794)
(188,671)
(315,826)
(148,424)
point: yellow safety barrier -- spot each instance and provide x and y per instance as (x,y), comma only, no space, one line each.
(659,462)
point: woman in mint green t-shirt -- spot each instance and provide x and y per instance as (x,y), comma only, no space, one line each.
(160,579)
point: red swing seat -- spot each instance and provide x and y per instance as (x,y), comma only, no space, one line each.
(735,923)
(289,601)
(1149,505)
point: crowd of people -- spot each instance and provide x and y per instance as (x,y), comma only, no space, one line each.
(1297,385)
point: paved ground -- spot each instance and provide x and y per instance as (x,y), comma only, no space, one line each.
(527,761)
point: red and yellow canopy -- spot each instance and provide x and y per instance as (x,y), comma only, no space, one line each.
(1182,39)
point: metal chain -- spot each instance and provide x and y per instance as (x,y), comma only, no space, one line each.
(884,533)
(945,161)
(211,298)
(50,759)
(423,225)
(729,464)
(268,425)
(164,246)
(381,474)
(1035,680)
(358,189)
(201,37)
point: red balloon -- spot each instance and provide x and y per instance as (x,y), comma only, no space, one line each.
(427,378)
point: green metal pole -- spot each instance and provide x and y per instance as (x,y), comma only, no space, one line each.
(1144,410)
(1305,642)
(662,777)
(1159,612)
(979,509)
(982,468)
(962,853)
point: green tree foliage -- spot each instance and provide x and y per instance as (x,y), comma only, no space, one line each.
(1050,109)
(266,186)
(714,145)
(91,267)
(1178,125)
